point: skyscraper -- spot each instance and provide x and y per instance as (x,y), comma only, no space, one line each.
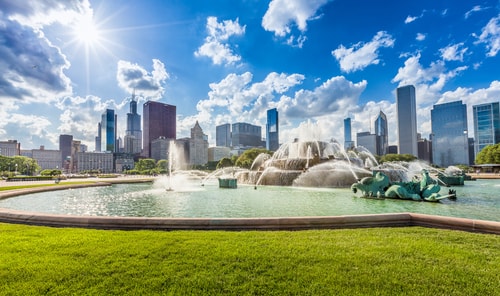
(246,135)
(98,138)
(65,144)
(223,135)
(486,125)
(348,143)
(159,120)
(133,134)
(450,143)
(382,134)
(198,146)
(272,130)
(108,130)
(407,120)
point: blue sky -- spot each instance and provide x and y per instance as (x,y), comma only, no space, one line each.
(62,63)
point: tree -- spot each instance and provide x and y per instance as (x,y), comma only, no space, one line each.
(145,164)
(397,157)
(246,158)
(162,166)
(489,155)
(225,162)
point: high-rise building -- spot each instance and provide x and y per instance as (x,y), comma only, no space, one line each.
(198,146)
(272,130)
(65,144)
(10,148)
(133,133)
(382,134)
(450,141)
(348,142)
(98,138)
(246,135)
(108,130)
(367,140)
(223,135)
(407,120)
(486,125)
(159,120)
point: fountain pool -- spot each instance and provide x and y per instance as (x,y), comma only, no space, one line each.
(476,200)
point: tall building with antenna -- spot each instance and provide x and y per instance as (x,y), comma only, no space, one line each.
(133,133)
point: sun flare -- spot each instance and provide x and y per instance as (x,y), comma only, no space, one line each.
(86,31)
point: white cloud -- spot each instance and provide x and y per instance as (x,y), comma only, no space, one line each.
(476,8)
(491,36)
(134,78)
(420,37)
(410,19)
(216,46)
(281,15)
(361,55)
(453,52)
(334,95)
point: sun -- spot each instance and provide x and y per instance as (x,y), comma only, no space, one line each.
(86,31)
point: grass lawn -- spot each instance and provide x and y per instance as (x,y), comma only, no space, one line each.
(375,261)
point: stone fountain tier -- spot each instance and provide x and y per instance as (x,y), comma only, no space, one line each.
(274,177)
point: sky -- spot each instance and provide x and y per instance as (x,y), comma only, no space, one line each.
(63,62)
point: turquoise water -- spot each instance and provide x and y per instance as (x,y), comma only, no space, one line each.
(476,200)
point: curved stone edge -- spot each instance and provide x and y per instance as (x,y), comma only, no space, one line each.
(278,223)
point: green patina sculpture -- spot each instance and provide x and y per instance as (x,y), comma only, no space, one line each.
(380,186)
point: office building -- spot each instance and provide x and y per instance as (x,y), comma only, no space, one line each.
(348,142)
(98,138)
(133,133)
(407,120)
(382,134)
(367,140)
(10,148)
(159,120)
(486,119)
(65,142)
(159,148)
(424,149)
(450,141)
(45,158)
(108,131)
(198,146)
(97,162)
(217,153)
(246,135)
(223,135)
(272,130)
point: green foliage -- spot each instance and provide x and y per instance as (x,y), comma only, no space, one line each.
(20,164)
(145,164)
(397,157)
(49,172)
(489,155)
(382,261)
(224,163)
(246,158)
(212,165)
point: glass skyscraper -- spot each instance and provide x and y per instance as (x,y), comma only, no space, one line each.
(133,134)
(108,130)
(272,130)
(486,125)
(223,135)
(348,143)
(246,135)
(407,120)
(382,134)
(450,143)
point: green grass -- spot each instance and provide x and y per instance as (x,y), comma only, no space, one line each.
(376,261)
(15,187)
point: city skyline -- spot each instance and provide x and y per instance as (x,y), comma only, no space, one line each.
(230,61)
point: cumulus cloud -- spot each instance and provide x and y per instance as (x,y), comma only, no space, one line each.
(453,52)
(33,69)
(361,55)
(420,37)
(490,35)
(133,77)
(281,15)
(411,19)
(216,46)
(336,94)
